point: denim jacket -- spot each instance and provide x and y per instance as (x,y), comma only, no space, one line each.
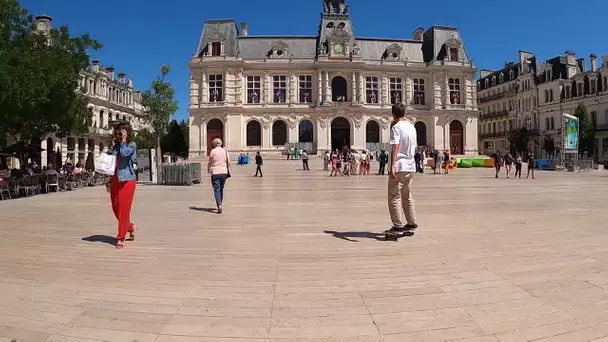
(126,157)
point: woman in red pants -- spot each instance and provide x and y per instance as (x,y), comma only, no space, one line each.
(122,184)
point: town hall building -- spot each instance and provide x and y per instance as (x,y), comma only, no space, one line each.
(330,90)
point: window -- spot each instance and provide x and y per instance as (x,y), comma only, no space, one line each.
(279,85)
(454,54)
(594,118)
(493,80)
(567,92)
(606,119)
(487,83)
(419,91)
(254,85)
(371,87)
(551,95)
(511,75)
(396,84)
(546,96)
(501,78)
(593,91)
(305,89)
(216,88)
(547,124)
(216,49)
(552,124)
(454,84)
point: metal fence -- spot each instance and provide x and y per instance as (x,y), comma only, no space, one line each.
(180,174)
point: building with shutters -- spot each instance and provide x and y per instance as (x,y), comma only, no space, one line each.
(329,90)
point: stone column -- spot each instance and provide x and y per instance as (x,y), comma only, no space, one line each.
(319,87)
(354,88)
(266,98)
(238,86)
(327,89)
(204,87)
(227,86)
(384,95)
(361,89)
(446,96)
(408,92)
(193,91)
(436,91)
(292,88)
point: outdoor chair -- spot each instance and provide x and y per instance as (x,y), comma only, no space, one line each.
(52,181)
(26,184)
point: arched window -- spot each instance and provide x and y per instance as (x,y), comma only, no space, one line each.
(254,133)
(372,132)
(546,95)
(552,124)
(279,133)
(551,95)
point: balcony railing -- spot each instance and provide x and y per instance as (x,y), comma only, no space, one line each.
(496,114)
(493,135)
(491,97)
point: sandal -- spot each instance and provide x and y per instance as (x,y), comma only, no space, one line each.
(120,244)
(132,232)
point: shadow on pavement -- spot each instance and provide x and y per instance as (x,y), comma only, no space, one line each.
(207,210)
(110,240)
(366,235)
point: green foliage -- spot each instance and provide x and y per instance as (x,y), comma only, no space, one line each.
(145,140)
(174,141)
(519,139)
(586,130)
(159,105)
(39,76)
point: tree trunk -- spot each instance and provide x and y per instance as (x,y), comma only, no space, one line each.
(159,162)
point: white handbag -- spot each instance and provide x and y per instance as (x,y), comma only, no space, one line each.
(106,164)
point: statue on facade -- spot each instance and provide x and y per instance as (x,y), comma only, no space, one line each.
(322,49)
(356,50)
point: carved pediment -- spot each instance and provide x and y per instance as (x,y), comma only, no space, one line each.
(278,49)
(339,36)
(392,52)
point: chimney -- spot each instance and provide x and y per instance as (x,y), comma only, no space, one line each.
(581,64)
(110,71)
(418,34)
(130,83)
(95,65)
(121,77)
(593,57)
(244,29)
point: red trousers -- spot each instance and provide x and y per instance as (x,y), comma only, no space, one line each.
(121,194)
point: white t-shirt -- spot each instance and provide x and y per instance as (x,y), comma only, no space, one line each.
(403,134)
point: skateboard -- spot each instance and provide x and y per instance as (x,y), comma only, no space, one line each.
(392,235)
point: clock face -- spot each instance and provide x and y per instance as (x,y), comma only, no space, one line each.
(338,48)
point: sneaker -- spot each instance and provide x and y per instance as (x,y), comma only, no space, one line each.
(396,229)
(410,226)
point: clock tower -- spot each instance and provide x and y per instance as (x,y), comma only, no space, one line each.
(336,39)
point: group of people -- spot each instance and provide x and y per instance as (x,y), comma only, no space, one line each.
(348,162)
(507,161)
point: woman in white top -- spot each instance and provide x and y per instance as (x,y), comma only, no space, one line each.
(219,169)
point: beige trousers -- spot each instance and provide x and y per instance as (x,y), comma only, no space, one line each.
(400,200)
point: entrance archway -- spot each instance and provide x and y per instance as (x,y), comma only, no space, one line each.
(254,133)
(456,137)
(279,133)
(339,89)
(340,133)
(420,133)
(215,129)
(50,153)
(372,132)
(305,131)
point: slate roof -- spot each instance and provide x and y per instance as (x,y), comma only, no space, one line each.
(257,47)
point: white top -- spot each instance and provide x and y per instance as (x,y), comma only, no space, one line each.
(403,134)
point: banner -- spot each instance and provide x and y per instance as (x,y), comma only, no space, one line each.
(571,134)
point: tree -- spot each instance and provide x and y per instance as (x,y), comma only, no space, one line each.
(586,126)
(549,145)
(159,105)
(39,77)
(519,139)
(174,141)
(145,140)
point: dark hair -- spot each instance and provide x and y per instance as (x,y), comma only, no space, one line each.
(398,110)
(127,127)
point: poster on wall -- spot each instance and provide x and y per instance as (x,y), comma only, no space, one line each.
(570,132)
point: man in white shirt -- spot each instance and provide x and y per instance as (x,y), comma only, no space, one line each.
(403,143)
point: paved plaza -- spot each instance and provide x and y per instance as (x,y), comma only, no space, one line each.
(297,256)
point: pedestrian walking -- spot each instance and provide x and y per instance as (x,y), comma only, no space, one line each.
(258,164)
(219,169)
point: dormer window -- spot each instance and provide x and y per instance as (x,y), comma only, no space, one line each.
(487,83)
(454,54)
(501,78)
(493,80)
(277,50)
(393,52)
(216,48)
(511,75)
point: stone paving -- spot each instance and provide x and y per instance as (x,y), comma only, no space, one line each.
(297,256)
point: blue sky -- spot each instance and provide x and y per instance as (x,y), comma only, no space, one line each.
(140,35)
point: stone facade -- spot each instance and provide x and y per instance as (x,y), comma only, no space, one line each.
(533,95)
(330,90)
(111,98)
